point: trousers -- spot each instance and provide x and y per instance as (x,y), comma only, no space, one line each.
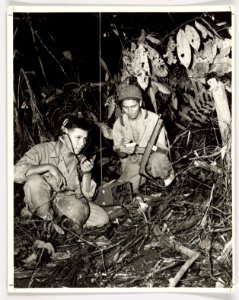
(40,200)
(158,166)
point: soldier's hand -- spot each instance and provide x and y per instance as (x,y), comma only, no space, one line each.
(128,148)
(125,141)
(87,165)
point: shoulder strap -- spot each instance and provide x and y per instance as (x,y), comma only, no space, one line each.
(121,120)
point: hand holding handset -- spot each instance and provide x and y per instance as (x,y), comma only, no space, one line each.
(128,146)
(87,165)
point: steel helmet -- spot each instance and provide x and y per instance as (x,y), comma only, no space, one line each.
(130,92)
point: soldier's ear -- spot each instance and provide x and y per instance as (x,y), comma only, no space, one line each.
(63,128)
(140,103)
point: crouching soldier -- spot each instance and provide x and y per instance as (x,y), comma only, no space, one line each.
(50,174)
(132,132)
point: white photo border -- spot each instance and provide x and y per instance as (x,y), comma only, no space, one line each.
(145,9)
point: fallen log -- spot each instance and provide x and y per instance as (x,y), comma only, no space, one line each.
(171,243)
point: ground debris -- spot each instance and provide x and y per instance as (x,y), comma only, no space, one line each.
(195,213)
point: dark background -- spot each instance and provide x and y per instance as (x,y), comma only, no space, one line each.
(88,36)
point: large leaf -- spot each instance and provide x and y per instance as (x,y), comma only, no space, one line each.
(224,46)
(199,69)
(152,39)
(106,130)
(210,50)
(161,88)
(110,103)
(126,60)
(174,101)
(104,66)
(184,115)
(191,101)
(143,79)
(221,65)
(159,67)
(138,60)
(202,60)
(183,48)
(151,52)
(140,66)
(192,37)
(203,30)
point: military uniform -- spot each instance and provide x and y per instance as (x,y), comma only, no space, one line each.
(41,193)
(158,164)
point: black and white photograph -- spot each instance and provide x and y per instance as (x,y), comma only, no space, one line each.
(121,138)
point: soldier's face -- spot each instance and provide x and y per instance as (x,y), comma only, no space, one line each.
(78,138)
(131,108)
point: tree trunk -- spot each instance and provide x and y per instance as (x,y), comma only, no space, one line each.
(222,109)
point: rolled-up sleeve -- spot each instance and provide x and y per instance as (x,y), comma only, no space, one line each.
(117,135)
(89,195)
(30,158)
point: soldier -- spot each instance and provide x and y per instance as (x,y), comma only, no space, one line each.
(132,131)
(50,173)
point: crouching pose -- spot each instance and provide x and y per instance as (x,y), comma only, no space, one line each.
(50,173)
(131,134)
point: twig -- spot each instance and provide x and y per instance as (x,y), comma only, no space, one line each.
(51,54)
(171,243)
(37,51)
(158,269)
(26,233)
(213,30)
(173,282)
(203,222)
(206,156)
(80,238)
(194,19)
(226,251)
(34,274)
